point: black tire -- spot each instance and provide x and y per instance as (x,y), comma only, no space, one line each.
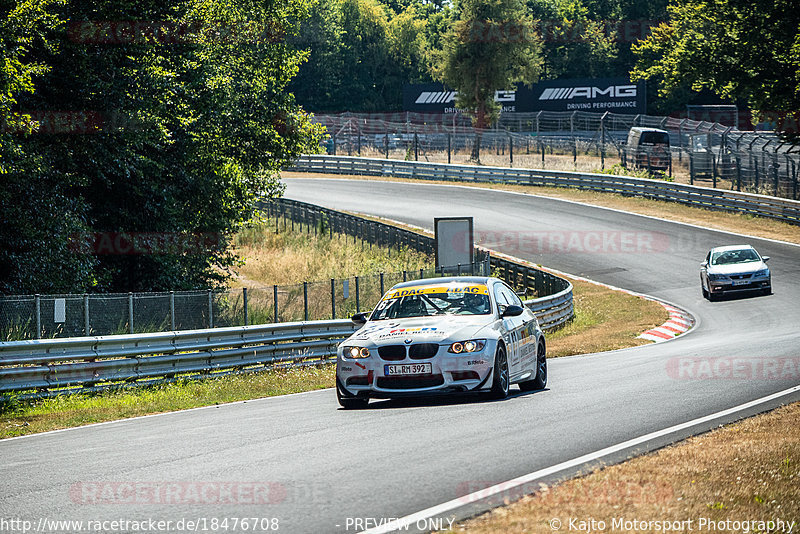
(712,297)
(500,380)
(350,403)
(766,291)
(540,382)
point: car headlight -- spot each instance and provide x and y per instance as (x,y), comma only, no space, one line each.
(762,272)
(717,277)
(472,345)
(356,353)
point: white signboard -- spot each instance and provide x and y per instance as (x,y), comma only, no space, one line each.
(60,310)
(454,242)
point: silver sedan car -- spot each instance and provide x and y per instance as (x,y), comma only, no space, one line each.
(442,335)
(734,268)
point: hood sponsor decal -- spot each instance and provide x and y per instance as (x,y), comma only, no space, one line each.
(425,290)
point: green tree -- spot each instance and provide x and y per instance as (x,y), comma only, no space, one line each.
(491,46)
(575,45)
(39,215)
(191,124)
(738,49)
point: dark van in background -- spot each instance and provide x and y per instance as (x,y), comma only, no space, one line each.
(648,148)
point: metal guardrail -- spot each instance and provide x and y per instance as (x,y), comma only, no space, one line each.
(88,361)
(703,197)
(62,366)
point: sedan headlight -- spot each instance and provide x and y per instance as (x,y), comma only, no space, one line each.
(462,347)
(717,277)
(356,353)
(762,272)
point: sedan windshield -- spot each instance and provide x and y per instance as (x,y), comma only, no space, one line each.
(429,301)
(729,257)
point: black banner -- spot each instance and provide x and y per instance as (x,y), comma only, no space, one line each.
(618,95)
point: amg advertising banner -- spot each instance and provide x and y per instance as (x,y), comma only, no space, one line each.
(619,95)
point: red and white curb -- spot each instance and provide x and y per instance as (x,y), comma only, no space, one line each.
(679,323)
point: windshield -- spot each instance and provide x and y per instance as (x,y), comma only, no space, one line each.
(654,138)
(423,301)
(730,257)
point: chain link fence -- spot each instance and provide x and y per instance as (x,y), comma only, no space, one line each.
(55,316)
(700,153)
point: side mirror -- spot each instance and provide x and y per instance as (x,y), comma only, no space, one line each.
(704,264)
(512,311)
(359,319)
(765,259)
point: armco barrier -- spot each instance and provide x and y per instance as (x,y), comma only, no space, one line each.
(69,365)
(87,361)
(702,197)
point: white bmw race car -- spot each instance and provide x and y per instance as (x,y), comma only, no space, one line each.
(442,335)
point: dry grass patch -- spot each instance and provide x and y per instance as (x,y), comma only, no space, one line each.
(749,471)
(291,257)
(605,319)
(731,222)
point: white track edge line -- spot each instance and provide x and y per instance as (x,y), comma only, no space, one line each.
(524,479)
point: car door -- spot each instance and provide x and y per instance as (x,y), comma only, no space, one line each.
(513,326)
(525,334)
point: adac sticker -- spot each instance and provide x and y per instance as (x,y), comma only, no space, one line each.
(423,290)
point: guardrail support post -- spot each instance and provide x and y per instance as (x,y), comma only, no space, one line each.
(305,301)
(738,173)
(358,298)
(511,150)
(275,303)
(86,325)
(449,146)
(416,147)
(405,276)
(245,306)
(38,301)
(130,313)
(172,310)
(333,298)
(210,310)
(382,290)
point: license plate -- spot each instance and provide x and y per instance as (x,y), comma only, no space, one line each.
(408,369)
(741,282)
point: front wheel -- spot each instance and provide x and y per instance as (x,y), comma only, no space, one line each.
(350,403)
(541,371)
(500,382)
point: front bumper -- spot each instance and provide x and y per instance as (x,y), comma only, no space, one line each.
(719,287)
(450,373)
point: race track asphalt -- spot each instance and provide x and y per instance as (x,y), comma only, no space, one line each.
(317,468)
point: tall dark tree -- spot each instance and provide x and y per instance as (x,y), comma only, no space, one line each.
(185,124)
(738,49)
(492,45)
